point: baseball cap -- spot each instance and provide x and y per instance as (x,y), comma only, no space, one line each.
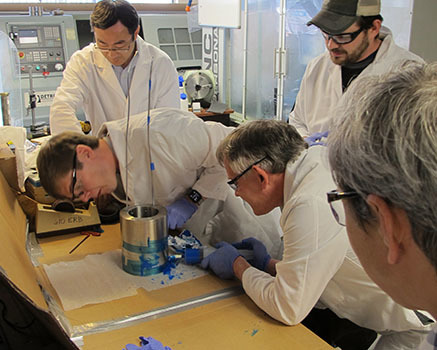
(338,15)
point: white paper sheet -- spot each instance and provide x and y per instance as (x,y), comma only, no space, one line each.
(99,278)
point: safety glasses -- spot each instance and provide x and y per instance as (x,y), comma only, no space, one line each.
(344,38)
(73,177)
(233,183)
(336,205)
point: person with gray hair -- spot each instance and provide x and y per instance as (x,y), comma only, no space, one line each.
(186,178)
(383,154)
(319,280)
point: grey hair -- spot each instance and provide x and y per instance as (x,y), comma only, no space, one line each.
(276,140)
(385,143)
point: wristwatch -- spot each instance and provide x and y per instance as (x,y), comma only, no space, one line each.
(195,197)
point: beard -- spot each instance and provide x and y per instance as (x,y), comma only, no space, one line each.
(354,56)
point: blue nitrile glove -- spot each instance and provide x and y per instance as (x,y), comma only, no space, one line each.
(317,138)
(147,344)
(179,212)
(260,255)
(222,260)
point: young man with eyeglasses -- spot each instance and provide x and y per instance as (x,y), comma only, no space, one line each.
(382,153)
(187,177)
(319,280)
(109,79)
(357,46)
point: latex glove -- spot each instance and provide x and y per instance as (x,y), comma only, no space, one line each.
(222,260)
(179,212)
(317,138)
(147,344)
(260,255)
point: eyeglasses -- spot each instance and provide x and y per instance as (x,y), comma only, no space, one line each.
(115,49)
(73,178)
(344,38)
(233,182)
(337,206)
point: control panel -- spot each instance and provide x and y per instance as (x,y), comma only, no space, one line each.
(39,46)
(44,45)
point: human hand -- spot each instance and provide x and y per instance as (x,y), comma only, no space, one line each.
(179,212)
(317,138)
(221,262)
(260,255)
(147,344)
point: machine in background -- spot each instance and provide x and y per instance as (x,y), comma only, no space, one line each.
(45,44)
(170,33)
(200,87)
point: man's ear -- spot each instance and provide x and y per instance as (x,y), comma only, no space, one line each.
(84,152)
(393,225)
(263,176)
(375,28)
(136,33)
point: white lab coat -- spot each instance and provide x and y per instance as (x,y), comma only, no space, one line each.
(89,82)
(318,265)
(321,87)
(183,151)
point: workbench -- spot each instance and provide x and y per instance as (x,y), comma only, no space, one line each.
(202,313)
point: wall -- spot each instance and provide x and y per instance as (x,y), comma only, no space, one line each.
(424,29)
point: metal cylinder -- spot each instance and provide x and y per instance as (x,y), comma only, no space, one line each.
(144,232)
(5,108)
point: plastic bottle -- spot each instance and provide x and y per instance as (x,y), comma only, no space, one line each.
(183,95)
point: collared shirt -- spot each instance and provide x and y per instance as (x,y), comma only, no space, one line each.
(90,83)
(319,267)
(431,340)
(124,75)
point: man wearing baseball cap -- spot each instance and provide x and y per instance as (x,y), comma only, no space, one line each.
(357,46)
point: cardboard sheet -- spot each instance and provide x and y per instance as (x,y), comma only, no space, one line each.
(100,278)
(232,323)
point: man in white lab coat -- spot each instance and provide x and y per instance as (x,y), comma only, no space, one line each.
(112,78)
(382,152)
(357,46)
(187,179)
(270,166)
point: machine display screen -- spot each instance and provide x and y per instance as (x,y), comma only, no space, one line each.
(28,36)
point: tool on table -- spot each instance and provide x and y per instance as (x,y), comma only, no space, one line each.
(64,216)
(88,235)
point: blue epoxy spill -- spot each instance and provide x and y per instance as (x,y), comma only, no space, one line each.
(148,263)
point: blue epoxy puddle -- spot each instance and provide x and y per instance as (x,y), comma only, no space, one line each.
(169,270)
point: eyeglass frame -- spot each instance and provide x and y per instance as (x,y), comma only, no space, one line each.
(125,49)
(353,35)
(74,175)
(335,195)
(233,181)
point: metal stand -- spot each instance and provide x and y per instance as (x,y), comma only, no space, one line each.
(35,130)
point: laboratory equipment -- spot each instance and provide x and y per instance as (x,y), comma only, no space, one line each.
(51,221)
(44,44)
(171,34)
(144,233)
(199,87)
(182,95)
